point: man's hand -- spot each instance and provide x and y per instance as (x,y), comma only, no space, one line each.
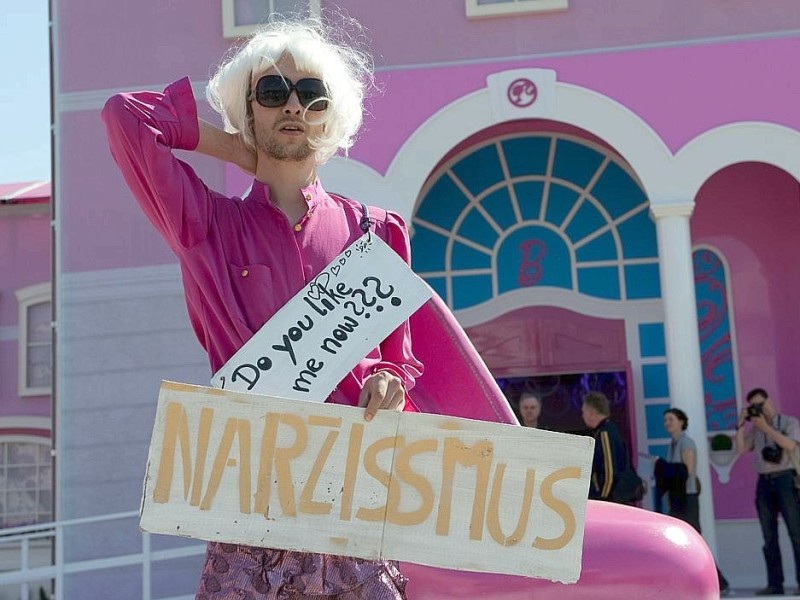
(742,419)
(382,390)
(760,423)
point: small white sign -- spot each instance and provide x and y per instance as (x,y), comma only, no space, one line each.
(441,491)
(522,94)
(317,337)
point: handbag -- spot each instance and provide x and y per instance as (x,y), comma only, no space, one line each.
(628,487)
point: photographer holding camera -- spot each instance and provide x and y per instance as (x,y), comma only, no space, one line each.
(772,436)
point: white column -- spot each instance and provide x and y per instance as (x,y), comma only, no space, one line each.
(684,367)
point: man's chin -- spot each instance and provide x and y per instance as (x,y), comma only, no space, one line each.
(287,153)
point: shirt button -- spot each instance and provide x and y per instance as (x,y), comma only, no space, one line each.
(308,196)
(298,227)
(245,272)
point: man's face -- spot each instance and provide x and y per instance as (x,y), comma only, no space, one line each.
(529,409)
(587,412)
(281,133)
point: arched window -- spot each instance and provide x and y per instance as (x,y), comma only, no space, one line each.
(535,210)
(35,340)
(717,340)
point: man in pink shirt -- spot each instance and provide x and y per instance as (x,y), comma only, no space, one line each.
(290,99)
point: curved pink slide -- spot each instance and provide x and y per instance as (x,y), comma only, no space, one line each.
(628,554)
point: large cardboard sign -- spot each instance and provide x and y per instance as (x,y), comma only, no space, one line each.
(317,337)
(441,491)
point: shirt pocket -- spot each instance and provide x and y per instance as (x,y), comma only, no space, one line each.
(253,293)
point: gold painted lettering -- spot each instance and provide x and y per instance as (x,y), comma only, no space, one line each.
(204,433)
(561,508)
(404,472)
(264,483)
(480,455)
(233,428)
(307,504)
(283,456)
(384,477)
(493,518)
(176,429)
(351,470)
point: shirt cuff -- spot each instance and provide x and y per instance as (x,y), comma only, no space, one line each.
(180,96)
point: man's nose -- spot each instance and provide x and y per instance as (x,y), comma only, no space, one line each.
(293,105)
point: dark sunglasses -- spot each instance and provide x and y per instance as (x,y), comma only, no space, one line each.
(273,91)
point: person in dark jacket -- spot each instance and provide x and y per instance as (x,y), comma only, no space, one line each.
(610,450)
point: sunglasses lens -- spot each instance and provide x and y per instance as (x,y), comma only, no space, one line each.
(311,93)
(272,91)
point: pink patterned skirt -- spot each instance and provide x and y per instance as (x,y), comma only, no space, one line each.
(234,572)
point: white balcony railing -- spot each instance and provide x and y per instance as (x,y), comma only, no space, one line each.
(28,577)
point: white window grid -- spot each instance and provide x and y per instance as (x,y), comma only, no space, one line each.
(496,8)
(26,483)
(241,18)
(35,340)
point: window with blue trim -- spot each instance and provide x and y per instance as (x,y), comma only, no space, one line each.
(535,210)
(716,341)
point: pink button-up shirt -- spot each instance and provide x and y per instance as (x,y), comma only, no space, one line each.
(241,259)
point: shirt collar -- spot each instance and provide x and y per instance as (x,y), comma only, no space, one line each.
(313,193)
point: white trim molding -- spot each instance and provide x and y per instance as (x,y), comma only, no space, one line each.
(500,8)
(26,298)
(121,284)
(232,29)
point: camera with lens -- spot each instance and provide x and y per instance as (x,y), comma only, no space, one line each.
(772,453)
(754,410)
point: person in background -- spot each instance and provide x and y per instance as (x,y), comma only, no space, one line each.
(530,408)
(772,436)
(610,450)
(676,476)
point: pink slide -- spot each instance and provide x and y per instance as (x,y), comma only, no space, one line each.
(628,554)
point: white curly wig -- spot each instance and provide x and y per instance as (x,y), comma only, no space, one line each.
(346,71)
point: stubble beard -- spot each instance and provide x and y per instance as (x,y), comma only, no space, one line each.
(274,148)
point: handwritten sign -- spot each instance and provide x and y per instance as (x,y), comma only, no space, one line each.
(447,492)
(317,337)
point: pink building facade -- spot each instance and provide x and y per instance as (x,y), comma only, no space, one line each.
(607,192)
(25,355)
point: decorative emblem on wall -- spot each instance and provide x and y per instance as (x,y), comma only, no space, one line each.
(530,266)
(522,92)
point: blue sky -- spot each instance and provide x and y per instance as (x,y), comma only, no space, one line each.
(24,91)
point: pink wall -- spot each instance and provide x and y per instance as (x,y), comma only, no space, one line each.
(421,31)
(107,45)
(679,92)
(751,212)
(24,257)
(24,261)
(110,44)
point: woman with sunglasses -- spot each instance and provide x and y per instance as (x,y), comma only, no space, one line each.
(290,99)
